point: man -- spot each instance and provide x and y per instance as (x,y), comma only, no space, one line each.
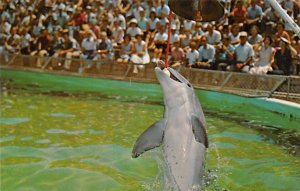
(192,55)
(206,54)
(243,54)
(69,50)
(213,36)
(104,49)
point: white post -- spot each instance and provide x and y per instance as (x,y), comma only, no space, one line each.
(275,5)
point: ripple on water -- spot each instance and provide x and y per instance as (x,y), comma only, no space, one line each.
(27,138)
(12,121)
(43,141)
(7,138)
(61,115)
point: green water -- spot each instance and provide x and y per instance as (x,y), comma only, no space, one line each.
(69,134)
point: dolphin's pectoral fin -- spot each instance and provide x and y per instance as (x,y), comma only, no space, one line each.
(199,131)
(149,139)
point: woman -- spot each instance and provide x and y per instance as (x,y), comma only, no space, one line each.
(283,58)
(140,54)
(126,50)
(254,37)
(266,57)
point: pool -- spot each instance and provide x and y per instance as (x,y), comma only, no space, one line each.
(76,133)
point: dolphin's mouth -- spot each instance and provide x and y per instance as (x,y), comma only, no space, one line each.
(161,65)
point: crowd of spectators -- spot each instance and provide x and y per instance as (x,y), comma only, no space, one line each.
(251,37)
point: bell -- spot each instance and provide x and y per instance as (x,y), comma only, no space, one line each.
(197,10)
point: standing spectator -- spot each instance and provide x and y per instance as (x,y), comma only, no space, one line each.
(206,54)
(283,58)
(126,50)
(213,36)
(140,54)
(192,55)
(266,57)
(243,54)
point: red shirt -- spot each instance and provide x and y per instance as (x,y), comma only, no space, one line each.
(239,14)
(79,19)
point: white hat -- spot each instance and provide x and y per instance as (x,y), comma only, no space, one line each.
(133,21)
(61,7)
(243,33)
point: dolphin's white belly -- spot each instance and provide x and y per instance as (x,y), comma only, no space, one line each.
(184,156)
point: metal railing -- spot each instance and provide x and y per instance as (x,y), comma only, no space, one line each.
(284,87)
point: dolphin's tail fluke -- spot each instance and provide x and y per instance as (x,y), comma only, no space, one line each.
(149,139)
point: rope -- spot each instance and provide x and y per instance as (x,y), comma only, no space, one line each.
(168,41)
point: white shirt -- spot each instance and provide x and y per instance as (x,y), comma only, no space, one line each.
(89,43)
(159,36)
(133,31)
(192,56)
(214,38)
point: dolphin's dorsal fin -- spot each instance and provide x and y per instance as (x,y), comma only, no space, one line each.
(199,131)
(149,139)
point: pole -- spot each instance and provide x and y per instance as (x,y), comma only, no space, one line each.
(168,40)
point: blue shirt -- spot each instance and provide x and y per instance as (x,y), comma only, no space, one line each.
(207,53)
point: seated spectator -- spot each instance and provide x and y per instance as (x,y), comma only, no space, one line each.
(104,49)
(160,41)
(174,36)
(177,54)
(43,46)
(283,58)
(140,54)
(213,36)
(133,28)
(185,40)
(254,37)
(69,49)
(88,45)
(239,12)
(117,34)
(235,34)
(281,33)
(189,25)
(198,32)
(192,55)
(254,14)
(25,42)
(224,54)
(126,50)
(206,54)
(243,54)
(266,57)
(143,23)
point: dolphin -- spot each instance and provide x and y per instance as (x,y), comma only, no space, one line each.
(198,10)
(181,132)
